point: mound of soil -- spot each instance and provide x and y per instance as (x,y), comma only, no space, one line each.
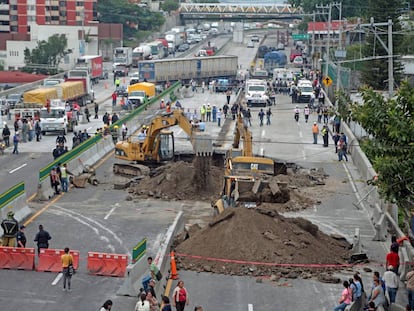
(259,235)
(178,180)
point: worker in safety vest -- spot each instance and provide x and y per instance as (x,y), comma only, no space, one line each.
(203,111)
(10,227)
(315,132)
(208,110)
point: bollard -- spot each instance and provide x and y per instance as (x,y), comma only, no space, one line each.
(356,247)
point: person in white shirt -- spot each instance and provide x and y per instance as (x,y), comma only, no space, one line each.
(391,283)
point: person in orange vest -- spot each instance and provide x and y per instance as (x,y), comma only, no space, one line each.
(315,132)
(168,108)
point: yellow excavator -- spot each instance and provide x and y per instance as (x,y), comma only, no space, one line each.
(157,145)
(245,175)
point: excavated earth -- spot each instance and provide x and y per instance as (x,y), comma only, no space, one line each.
(260,242)
(263,241)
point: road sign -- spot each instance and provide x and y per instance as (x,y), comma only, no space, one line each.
(300,36)
(327,81)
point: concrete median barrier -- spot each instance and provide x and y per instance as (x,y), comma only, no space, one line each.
(136,271)
(14,199)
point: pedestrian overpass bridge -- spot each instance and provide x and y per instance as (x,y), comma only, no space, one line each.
(238,11)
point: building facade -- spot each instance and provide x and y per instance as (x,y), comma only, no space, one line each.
(17,16)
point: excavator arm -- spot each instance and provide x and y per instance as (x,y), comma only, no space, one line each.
(241,131)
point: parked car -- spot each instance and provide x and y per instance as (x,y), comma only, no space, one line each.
(298,61)
(183,47)
(14,99)
(250,44)
(255,38)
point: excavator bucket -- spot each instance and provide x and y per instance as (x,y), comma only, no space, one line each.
(203,144)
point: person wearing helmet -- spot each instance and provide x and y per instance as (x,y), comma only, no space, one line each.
(114,134)
(10,227)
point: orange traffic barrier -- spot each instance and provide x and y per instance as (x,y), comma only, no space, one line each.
(50,260)
(174,274)
(107,264)
(17,258)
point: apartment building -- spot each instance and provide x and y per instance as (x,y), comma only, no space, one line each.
(17,16)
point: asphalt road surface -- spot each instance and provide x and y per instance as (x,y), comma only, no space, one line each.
(101,219)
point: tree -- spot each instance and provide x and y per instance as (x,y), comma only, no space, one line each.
(46,57)
(375,72)
(133,17)
(390,124)
(170,5)
(350,8)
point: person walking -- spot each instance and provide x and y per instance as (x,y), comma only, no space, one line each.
(203,111)
(306,112)
(261,116)
(38,130)
(67,269)
(377,295)
(54,180)
(16,140)
(219,117)
(152,301)
(6,135)
(114,97)
(228,95)
(21,237)
(10,228)
(64,177)
(124,131)
(324,133)
(393,259)
(410,289)
(342,150)
(87,115)
(336,138)
(142,304)
(208,113)
(106,306)
(315,132)
(268,115)
(42,238)
(346,297)
(249,116)
(214,113)
(391,282)
(96,107)
(180,296)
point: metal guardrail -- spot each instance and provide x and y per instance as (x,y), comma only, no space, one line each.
(11,194)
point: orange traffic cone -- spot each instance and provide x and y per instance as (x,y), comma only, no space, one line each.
(174,274)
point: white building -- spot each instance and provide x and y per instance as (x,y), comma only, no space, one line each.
(13,57)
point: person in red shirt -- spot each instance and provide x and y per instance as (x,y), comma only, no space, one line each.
(180,296)
(393,259)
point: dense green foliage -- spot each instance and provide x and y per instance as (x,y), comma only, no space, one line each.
(46,57)
(349,7)
(170,5)
(391,145)
(132,17)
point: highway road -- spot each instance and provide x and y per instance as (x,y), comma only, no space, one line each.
(103,219)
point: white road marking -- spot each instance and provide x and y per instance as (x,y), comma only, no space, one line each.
(249,307)
(17,168)
(262,152)
(304,155)
(110,212)
(89,128)
(57,278)
(179,132)
(300,134)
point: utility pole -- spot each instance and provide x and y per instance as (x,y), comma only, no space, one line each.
(328,44)
(390,61)
(387,47)
(338,66)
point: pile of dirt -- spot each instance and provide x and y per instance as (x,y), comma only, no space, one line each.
(259,235)
(179,181)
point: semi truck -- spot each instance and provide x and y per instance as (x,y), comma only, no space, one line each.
(122,56)
(94,66)
(39,96)
(82,76)
(156,71)
(174,40)
(142,52)
(256,93)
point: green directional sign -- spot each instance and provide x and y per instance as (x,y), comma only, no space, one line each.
(300,36)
